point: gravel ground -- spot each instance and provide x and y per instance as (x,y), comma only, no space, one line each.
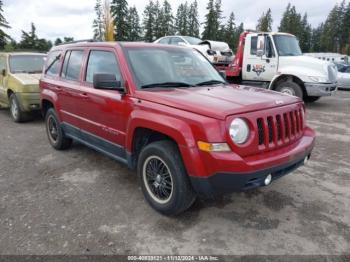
(81,202)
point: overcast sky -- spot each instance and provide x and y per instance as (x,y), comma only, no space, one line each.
(59,18)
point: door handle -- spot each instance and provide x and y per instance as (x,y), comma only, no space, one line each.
(84,95)
(53,86)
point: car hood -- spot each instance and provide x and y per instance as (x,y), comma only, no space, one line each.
(217,46)
(27,79)
(309,66)
(217,101)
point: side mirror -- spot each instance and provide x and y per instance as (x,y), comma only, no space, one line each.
(223,74)
(3,72)
(108,82)
(260,48)
(181,44)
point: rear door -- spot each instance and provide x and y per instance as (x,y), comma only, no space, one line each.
(257,68)
(70,94)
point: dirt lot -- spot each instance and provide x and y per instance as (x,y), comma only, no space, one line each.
(81,202)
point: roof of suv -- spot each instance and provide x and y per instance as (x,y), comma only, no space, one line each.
(21,53)
(110,44)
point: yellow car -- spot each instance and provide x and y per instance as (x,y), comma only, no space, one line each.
(19,83)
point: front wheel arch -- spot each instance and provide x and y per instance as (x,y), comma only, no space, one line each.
(292,78)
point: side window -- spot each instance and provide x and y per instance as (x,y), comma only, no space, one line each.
(270,52)
(72,65)
(253,45)
(164,41)
(347,70)
(103,62)
(176,41)
(53,63)
(2,63)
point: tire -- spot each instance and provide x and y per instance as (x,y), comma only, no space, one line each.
(290,88)
(312,99)
(164,179)
(16,112)
(54,131)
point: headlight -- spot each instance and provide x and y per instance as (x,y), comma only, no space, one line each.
(318,79)
(211,52)
(239,131)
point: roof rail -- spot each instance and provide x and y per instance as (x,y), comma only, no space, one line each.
(80,41)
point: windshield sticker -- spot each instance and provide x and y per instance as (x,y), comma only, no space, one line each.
(259,69)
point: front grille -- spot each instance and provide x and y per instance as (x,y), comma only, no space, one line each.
(281,128)
(260,131)
(270,127)
(226,53)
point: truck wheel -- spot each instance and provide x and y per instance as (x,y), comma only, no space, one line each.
(54,131)
(164,180)
(290,88)
(16,112)
(311,99)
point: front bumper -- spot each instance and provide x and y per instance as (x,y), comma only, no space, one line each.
(319,89)
(228,172)
(223,183)
(29,101)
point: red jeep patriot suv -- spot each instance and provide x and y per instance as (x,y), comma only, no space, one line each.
(166,112)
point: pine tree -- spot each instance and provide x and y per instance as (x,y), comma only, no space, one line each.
(98,24)
(149,18)
(3,24)
(134,25)
(212,23)
(291,21)
(182,17)
(230,32)
(119,11)
(305,35)
(330,39)
(193,20)
(167,20)
(316,45)
(29,39)
(58,41)
(265,22)
(345,33)
(158,13)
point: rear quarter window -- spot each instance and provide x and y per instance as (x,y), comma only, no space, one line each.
(52,66)
(72,64)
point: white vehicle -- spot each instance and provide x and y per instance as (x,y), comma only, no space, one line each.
(343,76)
(331,57)
(275,61)
(216,52)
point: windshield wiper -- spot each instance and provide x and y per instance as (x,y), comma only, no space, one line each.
(167,84)
(210,82)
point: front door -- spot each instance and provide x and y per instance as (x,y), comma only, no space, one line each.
(104,113)
(257,68)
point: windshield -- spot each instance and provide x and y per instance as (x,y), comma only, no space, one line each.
(192,40)
(287,45)
(185,67)
(26,63)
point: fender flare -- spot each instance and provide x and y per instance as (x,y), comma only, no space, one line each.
(51,97)
(175,128)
